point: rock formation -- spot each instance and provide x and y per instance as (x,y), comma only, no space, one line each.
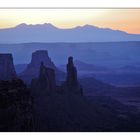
(38,57)
(71,85)
(34,66)
(45,84)
(7,70)
(15,106)
(71,73)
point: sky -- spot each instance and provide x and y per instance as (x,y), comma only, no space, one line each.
(119,19)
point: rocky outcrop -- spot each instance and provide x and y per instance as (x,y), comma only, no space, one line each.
(71,73)
(7,70)
(33,68)
(15,106)
(38,57)
(71,85)
(45,84)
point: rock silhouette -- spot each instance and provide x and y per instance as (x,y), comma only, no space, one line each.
(33,68)
(49,107)
(7,70)
(47,32)
(38,57)
(15,106)
(71,85)
(45,83)
(71,73)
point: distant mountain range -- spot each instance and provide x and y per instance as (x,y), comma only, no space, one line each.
(47,32)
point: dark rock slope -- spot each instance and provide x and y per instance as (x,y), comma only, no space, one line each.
(15,106)
(53,107)
(67,111)
(72,113)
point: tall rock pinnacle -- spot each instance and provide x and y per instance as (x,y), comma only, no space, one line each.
(71,85)
(45,83)
(7,70)
(71,73)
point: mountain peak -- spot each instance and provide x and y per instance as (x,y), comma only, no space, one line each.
(47,32)
(48,25)
(89,26)
(22,25)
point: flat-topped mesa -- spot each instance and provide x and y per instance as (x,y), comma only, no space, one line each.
(33,67)
(45,83)
(7,69)
(41,56)
(71,85)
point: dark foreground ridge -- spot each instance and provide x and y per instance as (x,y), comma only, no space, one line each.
(46,106)
(15,106)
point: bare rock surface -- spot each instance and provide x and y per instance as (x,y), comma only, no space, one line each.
(7,70)
(33,68)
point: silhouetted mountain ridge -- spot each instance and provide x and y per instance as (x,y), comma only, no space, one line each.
(47,32)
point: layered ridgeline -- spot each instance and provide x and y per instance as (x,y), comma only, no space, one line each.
(49,33)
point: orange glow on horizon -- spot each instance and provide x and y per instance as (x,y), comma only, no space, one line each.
(119,19)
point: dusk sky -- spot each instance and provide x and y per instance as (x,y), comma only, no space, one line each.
(119,19)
